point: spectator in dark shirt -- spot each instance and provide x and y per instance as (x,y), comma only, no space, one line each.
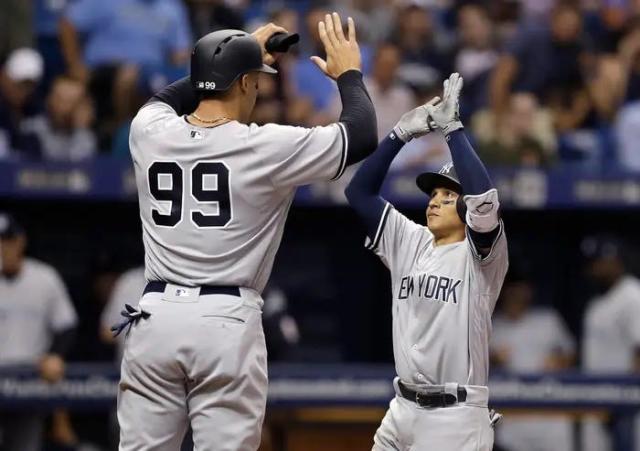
(63,133)
(19,80)
(422,52)
(548,62)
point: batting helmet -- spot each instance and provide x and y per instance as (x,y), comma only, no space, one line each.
(447,178)
(219,58)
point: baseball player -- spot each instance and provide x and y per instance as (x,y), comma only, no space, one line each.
(611,329)
(214,194)
(445,279)
(37,326)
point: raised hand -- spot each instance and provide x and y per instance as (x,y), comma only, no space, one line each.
(343,53)
(415,123)
(445,115)
(263,34)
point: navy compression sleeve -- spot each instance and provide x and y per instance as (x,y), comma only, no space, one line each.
(473,175)
(358,116)
(179,95)
(474,179)
(364,188)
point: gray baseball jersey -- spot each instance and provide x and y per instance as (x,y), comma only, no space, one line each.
(213,201)
(527,345)
(530,340)
(443,298)
(612,328)
(33,306)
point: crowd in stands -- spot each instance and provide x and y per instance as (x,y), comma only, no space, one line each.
(546,82)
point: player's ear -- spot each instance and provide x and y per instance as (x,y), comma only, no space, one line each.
(243,83)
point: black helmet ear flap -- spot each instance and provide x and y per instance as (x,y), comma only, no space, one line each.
(461,207)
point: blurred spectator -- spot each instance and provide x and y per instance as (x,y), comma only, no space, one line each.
(18,83)
(308,79)
(37,324)
(63,133)
(210,15)
(420,45)
(611,341)
(627,134)
(524,135)
(535,10)
(629,55)
(548,62)
(374,18)
(475,56)
(390,98)
(16,29)
(528,340)
(127,44)
(607,86)
(281,330)
(47,16)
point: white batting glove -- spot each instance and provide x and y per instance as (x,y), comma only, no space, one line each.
(415,123)
(446,115)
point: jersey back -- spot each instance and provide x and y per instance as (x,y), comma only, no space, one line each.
(213,201)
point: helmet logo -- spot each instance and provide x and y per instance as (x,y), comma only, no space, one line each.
(446,168)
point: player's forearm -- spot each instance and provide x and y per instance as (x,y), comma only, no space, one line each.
(358,116)
(473,175)
(179,95)
(364,188)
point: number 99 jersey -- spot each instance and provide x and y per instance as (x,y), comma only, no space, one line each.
(213,201)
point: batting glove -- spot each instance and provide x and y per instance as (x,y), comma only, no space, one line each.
(415,123)
(446,115)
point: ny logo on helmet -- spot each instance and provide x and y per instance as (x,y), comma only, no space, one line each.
(446,168)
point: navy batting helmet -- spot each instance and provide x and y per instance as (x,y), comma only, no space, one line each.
(447,178)
(219,58)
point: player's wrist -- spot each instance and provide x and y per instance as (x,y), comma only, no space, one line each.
(402,134)
(349,75)
(451,127)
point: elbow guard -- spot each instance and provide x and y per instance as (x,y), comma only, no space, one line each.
(482,213)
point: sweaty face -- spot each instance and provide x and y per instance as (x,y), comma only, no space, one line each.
(442,215)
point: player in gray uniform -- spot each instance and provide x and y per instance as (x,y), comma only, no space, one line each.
(445,278)
(37,326)
(214,194)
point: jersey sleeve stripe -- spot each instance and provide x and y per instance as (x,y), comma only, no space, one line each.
(474,251)
(383,220)
(345,150)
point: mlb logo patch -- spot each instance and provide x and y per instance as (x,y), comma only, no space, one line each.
(195,134)
(181,292)
(201,84)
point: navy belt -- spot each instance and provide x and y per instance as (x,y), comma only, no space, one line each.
(156,286)
(440,399)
